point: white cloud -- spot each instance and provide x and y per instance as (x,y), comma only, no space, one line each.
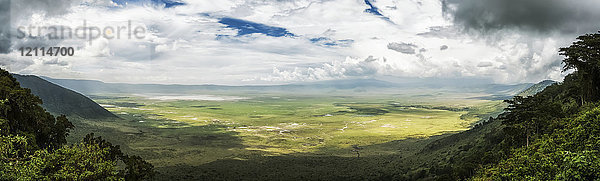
(350,67)
(406,48)
(97,48)
(186,44)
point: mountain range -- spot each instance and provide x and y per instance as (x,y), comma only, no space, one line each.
(93,87)
(69,96)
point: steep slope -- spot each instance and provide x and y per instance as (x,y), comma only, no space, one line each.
(539,87)
(58,100)
(453,157)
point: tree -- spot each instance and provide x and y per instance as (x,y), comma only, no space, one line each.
(356,148)
(570,153)
(135,167)
(529,116)
(32,144)
(560,125)
(22,114)
(583,56)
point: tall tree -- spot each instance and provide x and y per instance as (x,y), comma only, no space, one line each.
(583,56)
(22,115)
(32,144)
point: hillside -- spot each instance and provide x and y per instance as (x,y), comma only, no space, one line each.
(455,156)
(534,89)
(33,143)
(549,132)
(58,100)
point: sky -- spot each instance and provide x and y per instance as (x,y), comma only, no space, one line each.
(248,42)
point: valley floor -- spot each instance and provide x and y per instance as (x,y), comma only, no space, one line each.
(281,136)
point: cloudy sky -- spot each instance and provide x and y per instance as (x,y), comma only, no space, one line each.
(237,42)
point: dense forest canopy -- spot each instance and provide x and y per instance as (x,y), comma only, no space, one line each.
(33,144)
(555,134)
(551,135)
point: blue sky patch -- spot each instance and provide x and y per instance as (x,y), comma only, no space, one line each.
(315,40)
(372,9)
(247,27)
(324,41)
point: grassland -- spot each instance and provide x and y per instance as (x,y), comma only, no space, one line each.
(220,136)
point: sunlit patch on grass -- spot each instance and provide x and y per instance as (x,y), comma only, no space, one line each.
(188,130)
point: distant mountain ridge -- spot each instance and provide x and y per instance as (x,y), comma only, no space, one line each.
(99,87)
(59,100)
(93,87)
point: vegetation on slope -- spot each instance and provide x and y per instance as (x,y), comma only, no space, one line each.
(534,89)
(552,135)
(32,144)
(58,100)
(555,135)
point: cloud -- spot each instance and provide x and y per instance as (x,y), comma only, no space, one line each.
(484,64)
(406,48)
(55,61)
(101,3)
(98,48)
(23,8)
(328,42)
(161,3)
(4,29)
(535,15)
(443,32)
(16,12)
(282,41)
(13,63)
(349,68)
(444,47)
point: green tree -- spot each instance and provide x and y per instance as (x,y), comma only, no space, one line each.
(583,56)
(560,125)
(529,117)
(570,153)
(22,115)
(32,144)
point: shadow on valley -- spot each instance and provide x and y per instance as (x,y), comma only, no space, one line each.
(396,166)
(163,146)
(451,156)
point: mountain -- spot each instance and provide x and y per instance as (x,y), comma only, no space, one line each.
(59,100)
(534,89)
(498,91)
(90,87)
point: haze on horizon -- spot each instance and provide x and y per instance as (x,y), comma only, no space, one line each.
(241,42)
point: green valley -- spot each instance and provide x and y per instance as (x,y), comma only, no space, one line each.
(174,132)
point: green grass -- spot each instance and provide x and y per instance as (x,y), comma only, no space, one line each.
(175,134)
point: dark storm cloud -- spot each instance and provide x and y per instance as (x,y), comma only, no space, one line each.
(566,16)
(13,12)
(4,29)
(15,63)
(48,7)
